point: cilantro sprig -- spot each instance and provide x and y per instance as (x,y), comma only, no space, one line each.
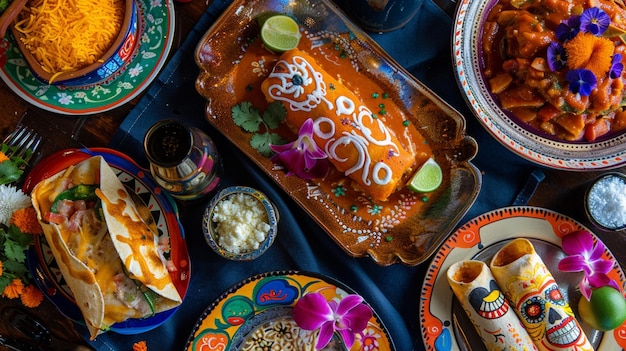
(4,4)
(250,119)
(14,244)
(11,167)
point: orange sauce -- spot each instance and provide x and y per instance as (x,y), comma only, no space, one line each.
(255,64)
(515,43)
(137,235)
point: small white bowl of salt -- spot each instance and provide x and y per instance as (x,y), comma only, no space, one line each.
(605,201)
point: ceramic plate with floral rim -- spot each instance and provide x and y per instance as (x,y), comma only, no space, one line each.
(444,324)
(162,208)
(156,33)
(409,226)
(258,311)
(604,153)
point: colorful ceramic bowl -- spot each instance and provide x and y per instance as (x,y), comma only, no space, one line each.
(109,66)
(604,153)
(235,224)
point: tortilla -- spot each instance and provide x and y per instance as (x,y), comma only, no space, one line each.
(111,262)
(528,284)
(358,143)
(485,304)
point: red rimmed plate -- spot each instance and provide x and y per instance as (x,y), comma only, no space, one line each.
(43,265)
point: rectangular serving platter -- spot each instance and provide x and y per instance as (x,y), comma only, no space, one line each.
(407,229)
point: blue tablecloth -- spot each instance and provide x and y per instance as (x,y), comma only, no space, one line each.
(423,47)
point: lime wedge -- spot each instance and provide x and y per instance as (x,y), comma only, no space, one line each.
(427,178)
(280,33)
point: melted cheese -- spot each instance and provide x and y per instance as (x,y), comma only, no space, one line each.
(66,35)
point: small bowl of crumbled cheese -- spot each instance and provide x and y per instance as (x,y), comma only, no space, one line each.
(240,223)
(605,201)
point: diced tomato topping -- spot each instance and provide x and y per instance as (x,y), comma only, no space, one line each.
(80,205)
(65,207)
(54,217)
(597,129)
(75,221)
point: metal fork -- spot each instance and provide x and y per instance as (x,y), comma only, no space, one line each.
(23,142)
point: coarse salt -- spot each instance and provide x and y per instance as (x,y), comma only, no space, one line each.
(606,202)
(241,223)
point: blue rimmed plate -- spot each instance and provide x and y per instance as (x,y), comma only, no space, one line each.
(43,266)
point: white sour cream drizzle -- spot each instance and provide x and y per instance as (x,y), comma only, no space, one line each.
(359,138)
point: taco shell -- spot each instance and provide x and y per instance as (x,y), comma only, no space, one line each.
(108,253)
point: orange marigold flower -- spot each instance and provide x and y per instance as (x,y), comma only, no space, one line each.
(13,290)
(3,157)
(140,346)
(26,220)
(31,296)
(588,51)
(0,268)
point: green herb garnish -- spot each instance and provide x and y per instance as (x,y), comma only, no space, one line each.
(249,118)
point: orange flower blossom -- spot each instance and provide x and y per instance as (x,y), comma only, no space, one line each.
(26,220)
(31,296)
(13,290)
(140,346)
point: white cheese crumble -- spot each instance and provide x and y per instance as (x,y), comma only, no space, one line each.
(240,223)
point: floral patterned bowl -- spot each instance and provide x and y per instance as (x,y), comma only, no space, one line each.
(238,243)
(110,64)
(606,152)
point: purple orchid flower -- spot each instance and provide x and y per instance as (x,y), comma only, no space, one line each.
(302,157)
(348,317)
(585,254)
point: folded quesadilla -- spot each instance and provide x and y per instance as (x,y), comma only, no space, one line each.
(109,255)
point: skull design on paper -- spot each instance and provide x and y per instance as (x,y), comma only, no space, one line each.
(535,296)
(546,312)
(490,304)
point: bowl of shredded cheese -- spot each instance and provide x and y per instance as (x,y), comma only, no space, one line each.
(240,223)
(78,42)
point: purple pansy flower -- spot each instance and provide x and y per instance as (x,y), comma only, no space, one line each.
(302,157)
(557,56)
(581,81)
(617,67)
(348,317)
(585,254)
(568,29)
(594,21)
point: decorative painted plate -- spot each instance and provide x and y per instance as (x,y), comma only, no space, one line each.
(257,312)
(445,325)
(606,153)
(408,227)
(163,209)
(155,33)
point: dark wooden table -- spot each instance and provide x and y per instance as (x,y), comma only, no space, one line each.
(63,131)
(561,191)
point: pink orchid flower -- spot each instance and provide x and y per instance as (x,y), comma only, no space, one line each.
(585,254)
(348,317)
(302,157)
